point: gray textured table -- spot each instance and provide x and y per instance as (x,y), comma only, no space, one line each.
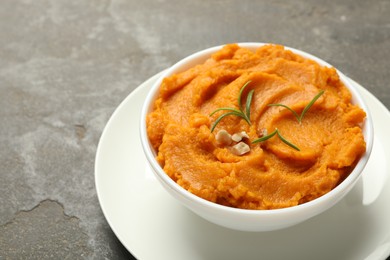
(66,65)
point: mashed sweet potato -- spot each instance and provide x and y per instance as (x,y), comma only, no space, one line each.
(272,174)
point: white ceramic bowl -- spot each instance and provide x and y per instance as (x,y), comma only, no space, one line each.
(243,219)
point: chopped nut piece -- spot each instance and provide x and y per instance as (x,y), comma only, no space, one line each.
(244,134)
(223,137)
(238,136)
(240,148)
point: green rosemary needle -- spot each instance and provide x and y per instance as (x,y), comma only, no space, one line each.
(236,112)
(276,132)
(307,107)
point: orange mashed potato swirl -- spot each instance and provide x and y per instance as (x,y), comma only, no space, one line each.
(271,175)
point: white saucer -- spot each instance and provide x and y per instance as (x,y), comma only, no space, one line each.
(152,225)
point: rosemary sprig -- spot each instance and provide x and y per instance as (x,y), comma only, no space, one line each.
(245,114)
(307,107)
(236,112)
(276,132)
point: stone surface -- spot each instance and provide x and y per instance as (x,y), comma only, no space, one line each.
(65,66)
(45,232)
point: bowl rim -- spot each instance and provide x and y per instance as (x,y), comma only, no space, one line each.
(331,196)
